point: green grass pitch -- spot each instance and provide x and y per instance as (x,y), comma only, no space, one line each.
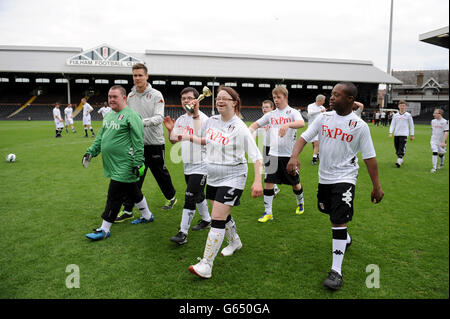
(49,202)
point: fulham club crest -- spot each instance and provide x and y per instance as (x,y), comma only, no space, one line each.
(120,117)
(352,123)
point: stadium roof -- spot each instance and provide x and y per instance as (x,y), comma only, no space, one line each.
(105,59)
(437,37)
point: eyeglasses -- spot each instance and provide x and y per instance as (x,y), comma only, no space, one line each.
(223,99)
(188,98)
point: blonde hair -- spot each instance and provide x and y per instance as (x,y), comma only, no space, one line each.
(280,90)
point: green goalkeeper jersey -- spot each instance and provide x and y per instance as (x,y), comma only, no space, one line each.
(121,142)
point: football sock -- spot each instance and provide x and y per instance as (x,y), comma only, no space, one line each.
(214,241)
(106,226)
(441,158)
(230,230)
(203,209)
(143,208)
(85,131)
(186,220)
(299,196)
(339,244)
(268,200)
(434,160)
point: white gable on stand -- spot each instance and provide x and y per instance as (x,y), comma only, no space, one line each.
(103,55)
(431,84)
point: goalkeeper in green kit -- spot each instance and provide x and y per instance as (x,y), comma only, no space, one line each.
(121,142)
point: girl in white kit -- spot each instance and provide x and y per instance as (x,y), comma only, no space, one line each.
(227,139)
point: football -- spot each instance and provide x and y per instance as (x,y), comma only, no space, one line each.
(11,158)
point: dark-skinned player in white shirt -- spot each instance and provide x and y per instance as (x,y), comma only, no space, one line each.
(342,134)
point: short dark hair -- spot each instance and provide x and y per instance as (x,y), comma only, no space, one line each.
(140,66)
(401,102)
(350,88)
(190,89)
(120,88)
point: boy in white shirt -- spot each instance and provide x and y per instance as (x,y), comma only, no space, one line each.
(105,109)
(402,125)
(68,111)
(284,122)
(439,134)
(87,109)
(193,156)
(59,123)
(263,135)
(342,134)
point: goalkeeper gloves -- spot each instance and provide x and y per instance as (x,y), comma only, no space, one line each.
(139,170)
(86,159)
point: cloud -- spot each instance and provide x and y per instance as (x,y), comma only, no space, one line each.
(348,29)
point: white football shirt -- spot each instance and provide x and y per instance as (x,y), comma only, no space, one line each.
(104,110)
(56,114)
(226,145)
(86,108)
(402,124)
(340,138)
(193,155)
(438,127)
(68,112)
(281,146)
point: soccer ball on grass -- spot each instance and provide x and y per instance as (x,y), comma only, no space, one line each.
(11,158)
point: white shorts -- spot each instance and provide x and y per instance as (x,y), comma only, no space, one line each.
(436,148)
(69,121)
(59,124)
(87,120)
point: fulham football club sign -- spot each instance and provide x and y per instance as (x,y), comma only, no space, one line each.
(103,55)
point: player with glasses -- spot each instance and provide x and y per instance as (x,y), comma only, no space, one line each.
(227,140)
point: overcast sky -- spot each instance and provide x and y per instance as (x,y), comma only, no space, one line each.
(345,29)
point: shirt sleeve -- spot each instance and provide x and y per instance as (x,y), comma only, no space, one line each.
(264,120)
(411,125)
(250,146)
(158,118)
(366,144)
(313,129)
(296,115)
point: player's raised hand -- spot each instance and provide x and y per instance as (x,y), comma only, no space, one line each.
(169,123)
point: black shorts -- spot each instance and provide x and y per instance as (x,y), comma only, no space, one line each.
(276,172)
(226,195)
(336,200)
